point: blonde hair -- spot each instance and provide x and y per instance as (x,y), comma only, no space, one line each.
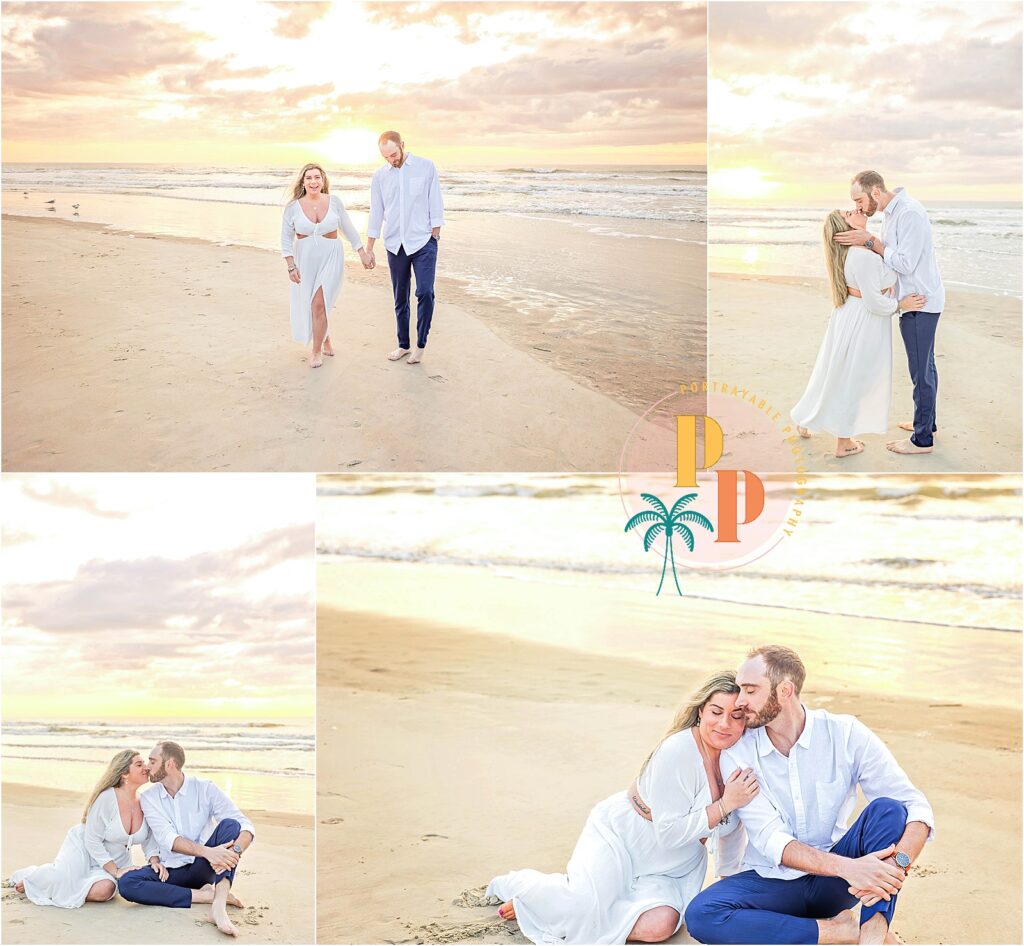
(835,257)
(112,777)
(299,189)
(688,715)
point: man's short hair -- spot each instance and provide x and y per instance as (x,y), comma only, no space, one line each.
(868,180)
(390,136)
(171,750)
(781,663)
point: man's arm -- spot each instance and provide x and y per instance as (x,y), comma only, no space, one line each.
(223,807)
(873,873)
(435,205)
(376,220)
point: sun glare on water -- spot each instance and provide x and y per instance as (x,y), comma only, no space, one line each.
(349,146)
(740,184)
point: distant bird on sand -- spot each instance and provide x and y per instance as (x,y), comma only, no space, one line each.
(75,206)
(51,201)
(54,209)
(75,214)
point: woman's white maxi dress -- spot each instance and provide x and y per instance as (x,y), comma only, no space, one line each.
(321,261)
(624,865)
(79,862)
(850,389)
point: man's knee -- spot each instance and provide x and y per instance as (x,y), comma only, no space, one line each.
(887,810)
(699,915)
(131,884)
(425,294)
(226,830)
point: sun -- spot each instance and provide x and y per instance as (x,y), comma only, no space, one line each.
(740,184)
(350,146)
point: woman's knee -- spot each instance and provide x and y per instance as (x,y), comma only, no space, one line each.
(655,926)
(101,891)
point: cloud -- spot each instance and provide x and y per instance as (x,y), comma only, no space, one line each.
(200,597)
(298,18)
(64,497)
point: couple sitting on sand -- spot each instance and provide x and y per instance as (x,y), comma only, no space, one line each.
(405,202)
(872,278)
(191,833)
(749,774)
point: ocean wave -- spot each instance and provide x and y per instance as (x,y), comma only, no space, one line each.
(285,772)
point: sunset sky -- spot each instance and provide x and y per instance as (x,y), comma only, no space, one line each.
(803,95)
(269,83)
(165,596)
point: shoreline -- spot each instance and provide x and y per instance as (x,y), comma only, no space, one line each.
(407,703)
(613,361)
(85,393)
(35,820)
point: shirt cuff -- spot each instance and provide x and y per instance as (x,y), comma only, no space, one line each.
(917,811)
(372,234)
(776,845)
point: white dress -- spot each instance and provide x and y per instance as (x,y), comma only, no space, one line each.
(850,389)
(624,865)
(321,262)
(79,862)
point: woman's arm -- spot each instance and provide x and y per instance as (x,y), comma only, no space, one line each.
(347,227)
(103,809)
(675,780)
(869,271)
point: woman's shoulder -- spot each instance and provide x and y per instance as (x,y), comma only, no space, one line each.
(105,800)
(679,745)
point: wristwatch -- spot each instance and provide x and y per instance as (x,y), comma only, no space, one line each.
(870,243)
(903,861)
(238,851)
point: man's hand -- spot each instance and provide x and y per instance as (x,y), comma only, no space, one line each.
(222,858)
(852,237)
(875,874)
(435,232)
(868,899)
(159,869)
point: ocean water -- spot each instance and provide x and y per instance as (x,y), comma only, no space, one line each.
(978,246)
(268,766)
(941,551)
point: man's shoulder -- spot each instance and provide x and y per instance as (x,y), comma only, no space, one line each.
(745,746)
(423,162)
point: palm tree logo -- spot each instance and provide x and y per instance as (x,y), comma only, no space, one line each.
(670,523)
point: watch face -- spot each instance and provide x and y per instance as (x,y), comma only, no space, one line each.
(238,850)
(902,859)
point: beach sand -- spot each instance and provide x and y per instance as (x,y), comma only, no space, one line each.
(450,752)
(764,333)
(142,353)
(275,882)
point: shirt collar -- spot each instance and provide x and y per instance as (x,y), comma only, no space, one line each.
(181,791)
(898,194)
(765,746)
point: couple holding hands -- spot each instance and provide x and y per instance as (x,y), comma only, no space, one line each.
(405,204)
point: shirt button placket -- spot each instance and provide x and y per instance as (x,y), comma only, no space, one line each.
(798,801)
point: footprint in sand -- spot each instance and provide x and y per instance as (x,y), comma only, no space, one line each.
(332,821)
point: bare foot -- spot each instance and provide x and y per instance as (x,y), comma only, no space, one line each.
(842,928)
(803,432)
(909,425)
(848,450)
(506,911)
(892,937)
(416,357)
(315,360)
(328,348)
(203,894)
(906,446)
(233,901)
(398,354)
(219,918)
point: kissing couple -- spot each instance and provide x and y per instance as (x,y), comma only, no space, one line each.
(192,836)
(747,774)
(405,205)
(873,278)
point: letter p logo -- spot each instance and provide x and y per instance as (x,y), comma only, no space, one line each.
(687,464)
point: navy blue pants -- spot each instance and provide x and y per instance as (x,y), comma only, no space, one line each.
(748,908)
(423,263)
(144,886)
(918,331)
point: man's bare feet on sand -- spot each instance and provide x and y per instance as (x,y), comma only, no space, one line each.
(203,894)
(233,901)
(219,917)
(398,354)
(842,928)
(909,425)
(315,360)
(506,911)
(328,348)
(416,357)
(906,446)
(849,448)
(803,432)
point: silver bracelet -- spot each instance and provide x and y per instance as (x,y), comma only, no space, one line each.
(292,269)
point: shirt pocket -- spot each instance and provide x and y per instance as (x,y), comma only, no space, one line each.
(417,186)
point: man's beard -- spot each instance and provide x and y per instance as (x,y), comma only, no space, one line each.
(767,713)
(158,775)
(872,206)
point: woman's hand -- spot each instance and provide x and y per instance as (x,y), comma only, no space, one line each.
(741,789)
(121,871)
(159,869)
(293,275)
(368,261)
(915,302)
